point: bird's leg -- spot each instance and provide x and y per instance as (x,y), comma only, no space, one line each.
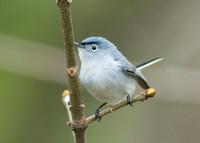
(97,113)
(128,98)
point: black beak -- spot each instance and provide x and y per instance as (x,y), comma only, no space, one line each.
(78,45)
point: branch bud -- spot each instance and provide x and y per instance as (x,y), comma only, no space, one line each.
(150,92)
(72,71)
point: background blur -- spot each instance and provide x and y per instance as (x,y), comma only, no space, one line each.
(33,73)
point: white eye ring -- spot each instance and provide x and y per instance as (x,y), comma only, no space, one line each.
(94,48)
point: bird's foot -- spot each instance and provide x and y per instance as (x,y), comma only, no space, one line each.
(97,115)
(128,98)
(97,112)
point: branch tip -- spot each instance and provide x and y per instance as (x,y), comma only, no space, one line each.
(65,93)
(150,92)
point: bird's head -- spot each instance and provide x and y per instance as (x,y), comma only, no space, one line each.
(94,48)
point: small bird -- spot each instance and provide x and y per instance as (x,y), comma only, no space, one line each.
(107,74)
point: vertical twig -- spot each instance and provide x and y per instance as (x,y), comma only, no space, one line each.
(76,104)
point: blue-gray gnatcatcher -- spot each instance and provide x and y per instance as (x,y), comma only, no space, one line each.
(107,74)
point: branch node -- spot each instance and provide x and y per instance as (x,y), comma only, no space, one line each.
(70,105)
(69,1)
(76,125)
(62,3)
(82,105)
(111,109)
(68,124)
(72,71)
(141,96)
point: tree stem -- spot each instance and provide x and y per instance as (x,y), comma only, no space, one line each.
(76,103)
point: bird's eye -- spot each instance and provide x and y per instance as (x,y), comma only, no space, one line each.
(94,48)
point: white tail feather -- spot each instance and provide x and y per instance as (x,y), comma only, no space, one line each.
(149,63)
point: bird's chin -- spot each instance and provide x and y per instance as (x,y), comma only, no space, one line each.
(82,54)
(81,51)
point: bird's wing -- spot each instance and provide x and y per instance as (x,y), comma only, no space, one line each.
(129,69)
(132,71)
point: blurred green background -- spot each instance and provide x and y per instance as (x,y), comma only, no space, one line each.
(33,73)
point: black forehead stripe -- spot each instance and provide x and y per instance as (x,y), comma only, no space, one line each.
(93,42)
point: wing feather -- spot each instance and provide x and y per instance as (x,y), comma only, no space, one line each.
(129,69)
(132,71)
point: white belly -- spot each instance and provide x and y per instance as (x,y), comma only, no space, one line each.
(107,84)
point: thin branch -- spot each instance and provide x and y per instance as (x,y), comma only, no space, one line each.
(76,104)
(66,102)
(140,97)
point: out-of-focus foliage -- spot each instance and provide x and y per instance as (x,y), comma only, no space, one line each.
(33,76)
